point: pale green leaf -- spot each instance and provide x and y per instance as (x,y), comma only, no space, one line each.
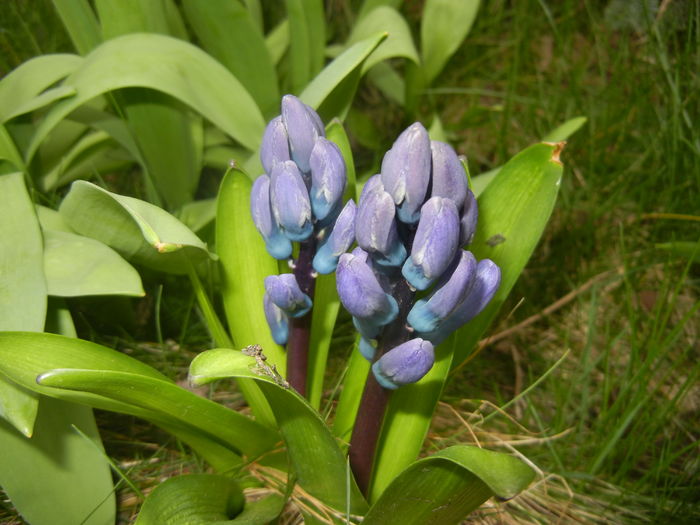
(81,23)
(139,231)
(565,130)
(9,152)
(277,41)
(389,82)
(318,462)
(120,17)
(369,5)
(307,41)
(197,215)
(76,266)
(442,489)
(354,383)
(445,24)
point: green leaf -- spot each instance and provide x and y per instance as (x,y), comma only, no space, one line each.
(227,31)
(332,90)
(120,17)
(445,24)
(192,499)
(369,5)
(336,133)
(399,42)
(564,131)
(307,40)
(244,265)
(197,215)
(165,64)
(57,477)
(138,230)
(442,489)
(277,41)
(76,266)
(318,462)
(354,383)
(31,78)
(9,152)
(684,249)
(80,22)
(22,288)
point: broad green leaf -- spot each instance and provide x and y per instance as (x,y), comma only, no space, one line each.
(138,230)
(46,98)
(172,402)
(318,462)
(9,152)
(76,266)
(442,489)
(515,206)
(197,215)
(307,41)
(192,499)
(58,477)
(333,89)
(389,82)
(244,264)
(399,43)
(120,17)
(80,22)
(51,220)
(445,24)
(165,64)
(31,78)
(369,5)
(228,32)
(277,41)
(354,383)
(564,131)
(22,288)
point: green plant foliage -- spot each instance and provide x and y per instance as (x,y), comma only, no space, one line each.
(136,229)
(319,465)
(443,488)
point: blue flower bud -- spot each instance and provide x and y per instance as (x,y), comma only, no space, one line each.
(360,292)
(449,178)
(327,178)
(337,242)
(435,243)
(303,128)
(406,172)
(486,283)
(285,293)
(276,243)
(405,364)
(276,320)
(375,226)
(427,314)
(367,348)
(275,145)
(467,222)
(289,200)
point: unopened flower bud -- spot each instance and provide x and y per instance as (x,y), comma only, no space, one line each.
(375,227)
(360,292)
(367,348)
(467,222)
(276,320)
(290,202)
(449,178)
(327,178)
(284,292)
(427,314)
(405,364)
(275,145)
(435,243)
(338,240)
(406,172)
(276,243)
(303,128)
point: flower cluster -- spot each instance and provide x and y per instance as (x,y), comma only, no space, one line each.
(412,219)
(299,198)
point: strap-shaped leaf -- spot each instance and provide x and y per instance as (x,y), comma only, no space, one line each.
(136,229)
(76,266)
(318,462)
(445,487)
(165,64)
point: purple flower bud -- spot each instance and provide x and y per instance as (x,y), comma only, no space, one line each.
(367,348)
(327,177)
(276,320)
(285,293)
(303,128)
(289,200)
(406,172)
(405,364)
(338,240)
(276,243)
(486,283)
(374,183)
(427,314)
(467,222)
(435,243)
(449,178)
(375,226)
(275,145)
(360,292)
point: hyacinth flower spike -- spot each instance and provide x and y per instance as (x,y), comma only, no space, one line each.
(435,243)
(276,243)
(428,314)
(285,293)
(337,241)
(290,202)
(303,128)
(404,364)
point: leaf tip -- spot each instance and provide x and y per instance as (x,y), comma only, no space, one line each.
(556,152)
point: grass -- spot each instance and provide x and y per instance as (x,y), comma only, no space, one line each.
(612,423)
